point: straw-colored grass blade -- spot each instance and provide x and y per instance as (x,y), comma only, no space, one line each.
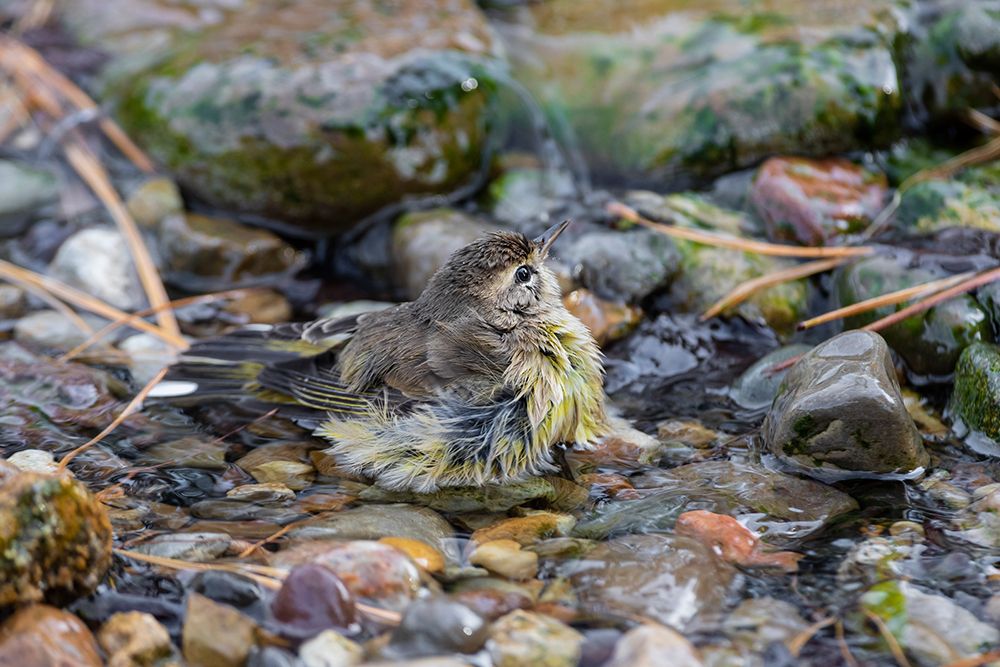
(735,243)
(749,288)
(890,299)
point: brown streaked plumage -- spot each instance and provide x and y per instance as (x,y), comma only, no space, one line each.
(473,382)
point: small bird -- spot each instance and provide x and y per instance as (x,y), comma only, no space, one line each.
(474,382)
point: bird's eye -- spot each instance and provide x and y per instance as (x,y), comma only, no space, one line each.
(523,274)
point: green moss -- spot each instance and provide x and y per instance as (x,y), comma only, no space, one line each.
(976,395)
(886,601)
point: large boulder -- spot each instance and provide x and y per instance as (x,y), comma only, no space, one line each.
(976,399)
(654,95)
(309,115)
(840,409)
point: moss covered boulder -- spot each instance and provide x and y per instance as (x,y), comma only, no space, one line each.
(307,114)
(55,538)
(976,398)
(651,93)
(707,273)
(930,342)
(970,200)
(840,409)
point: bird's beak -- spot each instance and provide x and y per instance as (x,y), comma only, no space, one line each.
(545,240)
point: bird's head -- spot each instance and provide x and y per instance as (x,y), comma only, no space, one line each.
(502,276)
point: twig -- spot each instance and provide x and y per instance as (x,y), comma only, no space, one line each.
(270,577)
(979,154)
(30,59)
(92,172)
(796,643)
(267,540)
(746,245)
(52,301)
(80,299)
(130,319)
(890,639)
(976,660)
(890,299)
(133,405)
(845,650)
(746,290)
(931,301)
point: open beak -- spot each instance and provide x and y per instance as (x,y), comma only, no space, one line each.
(545,240)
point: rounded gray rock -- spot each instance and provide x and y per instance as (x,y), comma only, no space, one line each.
(840,410)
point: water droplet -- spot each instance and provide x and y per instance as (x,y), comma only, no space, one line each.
(470,84)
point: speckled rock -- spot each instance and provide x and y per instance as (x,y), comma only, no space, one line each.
(49,329)
(55,539)
(624,266)
(216,635)
(98,261)
(523,638)
(331,649)
(134,639)
(840,409)
(653,645)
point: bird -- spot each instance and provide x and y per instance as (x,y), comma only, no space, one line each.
(477,381)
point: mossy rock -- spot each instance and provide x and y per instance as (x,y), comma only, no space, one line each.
(311,116)
(976,397)
(55,539)
(929,342)
(652,96)
(971,200)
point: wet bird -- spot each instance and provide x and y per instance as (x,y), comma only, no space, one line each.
(474,382)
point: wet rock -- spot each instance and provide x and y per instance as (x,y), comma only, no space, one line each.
(312,117)
(13,302)
(707,273)
(526,530)
(292,474)
(932,629)
(55,538)
(626,266)
(372,522)
(23,190)
(812,202)
(758,623)
(423,241)
(947,58)
(976,396)
(330,649)
(437,626)
(147,356)
(623,447)
(930,342)
(970,200)
(757,386)
(49,329)
(261,493)
(506,558)
(490,497)
(673,580)
(260,306)
(526,193)
(211,254)
(192,547)
(789,506)
(421,553)
(313,599)
(840,409)
(651,645)
(373,572)
(42,635)
(437,661)
(272,656)
(607,321)
(97,260)
(492,597)
(231,589)
(134,639)
(525,638)
(732,541)
(216,635)
(153,201)
(653,94)
(189,452)
(34,460)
